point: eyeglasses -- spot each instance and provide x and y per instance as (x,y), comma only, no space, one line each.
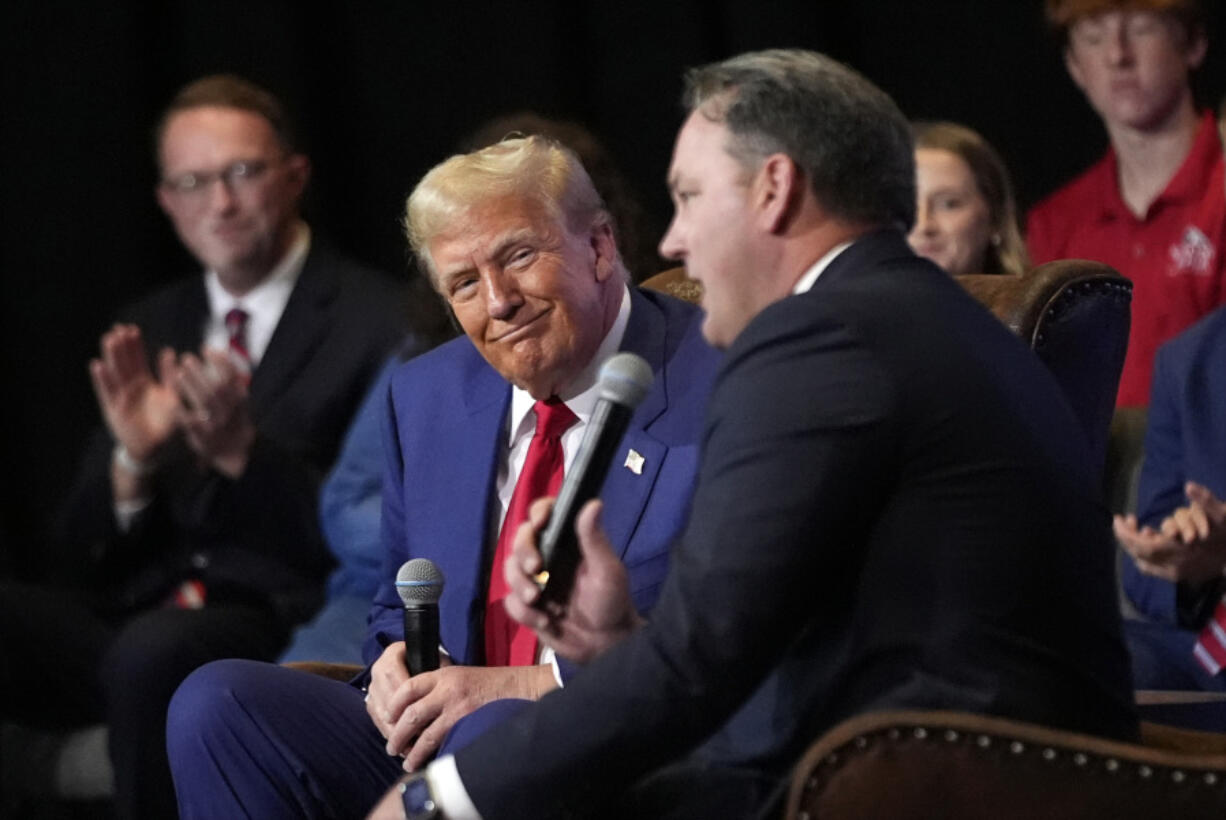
(236,176)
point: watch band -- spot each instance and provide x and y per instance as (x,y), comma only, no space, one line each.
(418,799)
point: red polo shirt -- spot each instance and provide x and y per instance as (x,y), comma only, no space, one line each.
(1175,255)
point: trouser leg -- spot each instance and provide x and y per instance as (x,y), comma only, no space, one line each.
(257,740)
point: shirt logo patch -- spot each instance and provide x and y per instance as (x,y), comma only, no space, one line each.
(1192,254)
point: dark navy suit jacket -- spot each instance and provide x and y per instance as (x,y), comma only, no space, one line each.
(256,538)
(894,509)
(447,417)
(1185,440)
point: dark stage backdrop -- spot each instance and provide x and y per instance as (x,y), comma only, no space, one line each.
(382,90)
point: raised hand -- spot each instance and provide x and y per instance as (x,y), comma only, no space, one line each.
(140,410)
(599,613)
(1189,545)
(213,410)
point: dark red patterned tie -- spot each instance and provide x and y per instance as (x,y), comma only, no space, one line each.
(507,643)
(236,326)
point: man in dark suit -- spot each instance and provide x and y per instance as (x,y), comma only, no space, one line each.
(191,530)
(894,507)
(521,247)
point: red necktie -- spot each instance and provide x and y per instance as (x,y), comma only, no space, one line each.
(508,643)
(236,326)
(1210,647)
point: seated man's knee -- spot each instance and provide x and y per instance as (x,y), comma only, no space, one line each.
(209,697)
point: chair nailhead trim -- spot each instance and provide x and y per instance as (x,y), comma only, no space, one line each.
(1049,754)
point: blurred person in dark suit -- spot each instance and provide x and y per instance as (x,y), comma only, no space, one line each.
(191,530)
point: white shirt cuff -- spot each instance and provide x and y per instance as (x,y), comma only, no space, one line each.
(550,657)
(126,512)
(448,790)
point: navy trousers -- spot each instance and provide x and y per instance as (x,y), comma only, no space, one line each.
(250,739)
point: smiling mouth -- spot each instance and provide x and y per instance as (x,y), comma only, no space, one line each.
(520,329)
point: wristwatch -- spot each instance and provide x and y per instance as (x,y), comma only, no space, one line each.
(418,799)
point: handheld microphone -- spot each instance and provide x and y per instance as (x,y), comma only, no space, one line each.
(419,583)
(624,382)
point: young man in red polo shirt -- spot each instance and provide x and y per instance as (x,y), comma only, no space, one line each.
(1152,207)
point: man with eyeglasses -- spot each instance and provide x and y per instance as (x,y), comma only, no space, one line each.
(191,531)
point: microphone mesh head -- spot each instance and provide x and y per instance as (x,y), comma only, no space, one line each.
(625,379)
(419,582)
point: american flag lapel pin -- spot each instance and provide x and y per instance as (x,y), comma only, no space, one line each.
(634,462)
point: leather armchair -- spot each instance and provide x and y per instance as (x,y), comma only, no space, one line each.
(907,765)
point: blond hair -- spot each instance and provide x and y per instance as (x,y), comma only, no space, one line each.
(534,168)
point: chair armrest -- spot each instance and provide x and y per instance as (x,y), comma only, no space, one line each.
(913,764)
(343,672)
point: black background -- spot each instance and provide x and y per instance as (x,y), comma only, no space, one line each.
(381,91)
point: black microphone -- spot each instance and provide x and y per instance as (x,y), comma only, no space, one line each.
(420,584)
(624,382)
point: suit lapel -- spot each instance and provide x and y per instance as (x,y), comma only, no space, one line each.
(184,331)
(626,491)
(303,325)
(475,440)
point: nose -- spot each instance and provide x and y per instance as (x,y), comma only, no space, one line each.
(220,195)
(671,246)
(502,296)
(1119,46)
(924,224)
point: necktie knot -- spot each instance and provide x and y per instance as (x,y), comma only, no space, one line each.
(553,417)
(236,324)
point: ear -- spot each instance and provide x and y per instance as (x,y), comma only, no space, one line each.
(298,172)
(164,200)
(604,249)
(1074,68)
(776,191)
(1198,46)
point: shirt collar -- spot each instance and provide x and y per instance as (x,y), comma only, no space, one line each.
(273,292)
(810,276)
(582,393)
(1188,183)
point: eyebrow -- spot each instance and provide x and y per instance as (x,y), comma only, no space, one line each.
(499,247)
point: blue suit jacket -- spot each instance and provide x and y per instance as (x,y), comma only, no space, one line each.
(1185,440)
(446,417)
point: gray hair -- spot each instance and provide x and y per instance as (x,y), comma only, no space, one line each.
(846,135)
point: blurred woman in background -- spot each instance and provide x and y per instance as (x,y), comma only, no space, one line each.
(965,218)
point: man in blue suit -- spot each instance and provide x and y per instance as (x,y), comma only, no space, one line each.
(1177,540)
(522,249)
